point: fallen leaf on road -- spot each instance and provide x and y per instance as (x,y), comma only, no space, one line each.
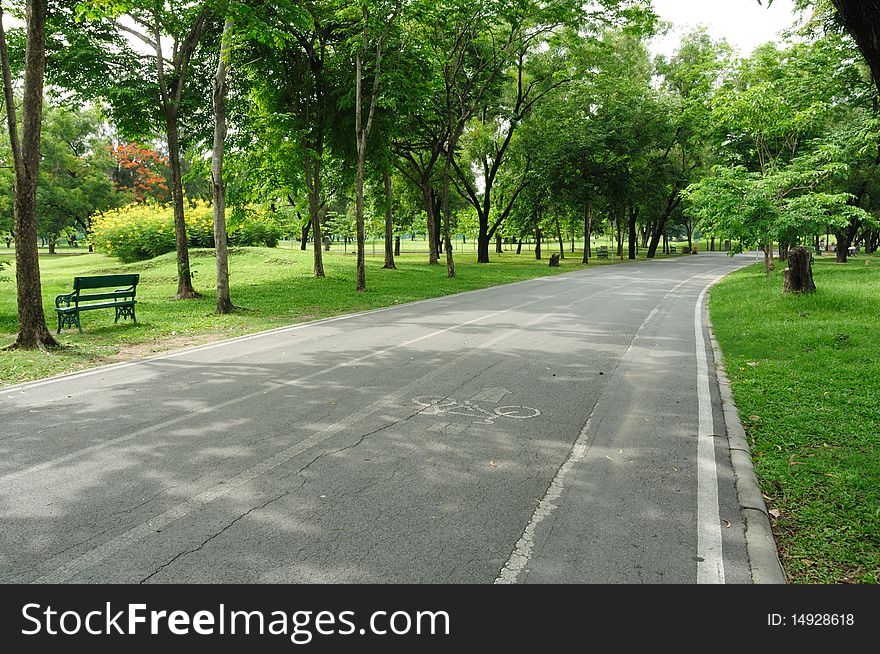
(727,524)
(493,464)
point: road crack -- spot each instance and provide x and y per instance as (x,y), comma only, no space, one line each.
(211,537)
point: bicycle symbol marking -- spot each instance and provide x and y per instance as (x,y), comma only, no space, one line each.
(438,406)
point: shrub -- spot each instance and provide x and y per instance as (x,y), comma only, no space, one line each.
(138,232)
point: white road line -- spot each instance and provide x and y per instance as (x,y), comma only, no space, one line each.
(710,562)
(524,548)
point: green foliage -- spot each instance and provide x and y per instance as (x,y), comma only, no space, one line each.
(138,232)
(74,178)
(795,140)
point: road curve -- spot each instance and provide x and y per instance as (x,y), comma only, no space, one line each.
(562,430)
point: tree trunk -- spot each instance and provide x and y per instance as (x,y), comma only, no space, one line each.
(799,274)
(52,244)
(769,264)
(446,210)
(498,248)
(428,201)
(482,248)
(633,214)
(844,241)
(537,242)
(559,238)
(389,224)
(588,228)
(32,331)
(185,290)
(519,246)
(305,229)
(619,234)
(397,245)
(224,301)
(361,284)
(313,181)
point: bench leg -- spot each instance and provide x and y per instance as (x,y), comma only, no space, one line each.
(124,313)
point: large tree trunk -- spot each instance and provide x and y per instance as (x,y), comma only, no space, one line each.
(482,248)
(498,248)
(672,201)
(389,224)
(799,274)
(32,331)
(224,300)
(844,241)
(185,290)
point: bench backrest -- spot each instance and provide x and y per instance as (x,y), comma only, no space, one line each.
(105,281)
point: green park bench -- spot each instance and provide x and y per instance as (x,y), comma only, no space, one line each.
(69,305)
(672,249)
(602,252)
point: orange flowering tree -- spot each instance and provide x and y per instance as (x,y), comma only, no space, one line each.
(141,171)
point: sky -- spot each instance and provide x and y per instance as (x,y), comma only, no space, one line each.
(744,23)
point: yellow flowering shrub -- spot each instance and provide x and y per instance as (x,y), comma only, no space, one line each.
(139,231)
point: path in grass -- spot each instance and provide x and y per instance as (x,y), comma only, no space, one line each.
(805,372)
(272,287)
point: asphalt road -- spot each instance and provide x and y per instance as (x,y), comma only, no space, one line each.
(565,429)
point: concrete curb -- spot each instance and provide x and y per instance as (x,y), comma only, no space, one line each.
(760,543)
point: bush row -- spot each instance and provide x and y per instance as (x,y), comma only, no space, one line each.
(139,232)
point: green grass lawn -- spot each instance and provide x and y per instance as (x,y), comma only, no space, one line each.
(272,287)
(805,372)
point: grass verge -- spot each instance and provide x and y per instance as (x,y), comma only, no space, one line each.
(271,287)
(805,374)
